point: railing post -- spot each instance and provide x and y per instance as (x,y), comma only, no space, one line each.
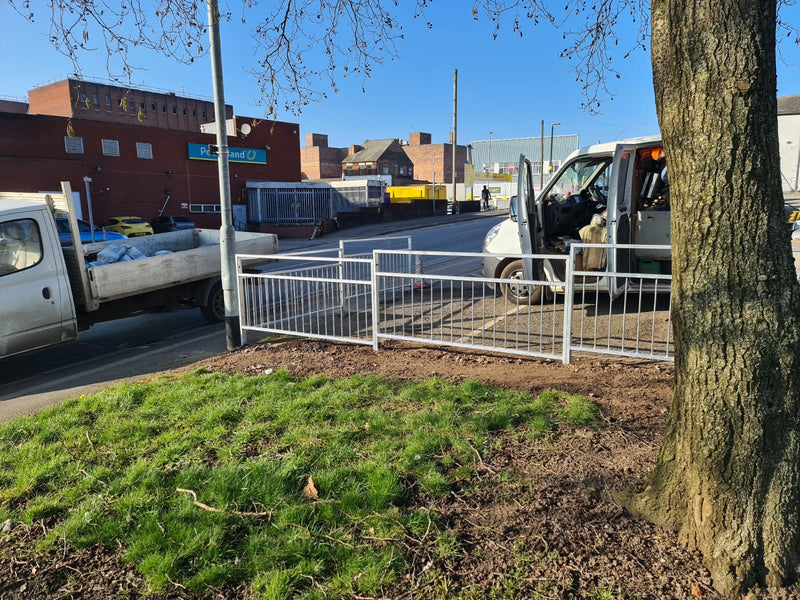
(569,300)
(342,288)
(374,284)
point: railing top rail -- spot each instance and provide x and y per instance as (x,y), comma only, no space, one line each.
(469,254)
(302,258)
(374,239)
(623,246)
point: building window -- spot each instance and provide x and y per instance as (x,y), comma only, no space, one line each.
(174,110)
(204,208)
(144,150)
(184,112)
(154,107)
(110,147)
(73,145)
(385,170)
(164,108)
(204,115)
(96,100)
(402,170)
(108,100)
(194,113)
(144,109)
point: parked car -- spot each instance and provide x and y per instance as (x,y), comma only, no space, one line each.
(130,226)
(65,235)
(164,224)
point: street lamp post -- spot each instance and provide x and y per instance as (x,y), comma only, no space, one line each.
(550,165)
(489,160)
(227,239)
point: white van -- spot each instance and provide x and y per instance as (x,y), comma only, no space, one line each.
(616,193)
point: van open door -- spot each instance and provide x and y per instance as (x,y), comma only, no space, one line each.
(528,226)
(527,215)
(619,216)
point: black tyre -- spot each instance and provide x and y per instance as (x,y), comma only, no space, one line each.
(516,292)
(214,309)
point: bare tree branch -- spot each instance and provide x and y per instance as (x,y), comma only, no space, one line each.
(347,37)
(591,47)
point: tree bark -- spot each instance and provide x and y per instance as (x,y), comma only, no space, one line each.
(728,474)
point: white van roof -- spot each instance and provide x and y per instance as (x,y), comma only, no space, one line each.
(610,147)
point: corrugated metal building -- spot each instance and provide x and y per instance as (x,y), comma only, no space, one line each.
(501,159)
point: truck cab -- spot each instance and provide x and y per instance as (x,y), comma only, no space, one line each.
(614,193)
(37,310)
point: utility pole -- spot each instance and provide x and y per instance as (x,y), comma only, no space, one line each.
(227,239)
(541,154)
(550,160)
(455,137)
(434,186)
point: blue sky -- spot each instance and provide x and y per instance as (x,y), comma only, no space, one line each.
(507,85)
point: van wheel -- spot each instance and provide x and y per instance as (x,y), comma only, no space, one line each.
(214,309)
(516,292)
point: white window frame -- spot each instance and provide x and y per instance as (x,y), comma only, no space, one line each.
(144,150)
(73,145)
(110,147)
(206,209)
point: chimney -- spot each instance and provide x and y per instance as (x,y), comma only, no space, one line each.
(318,140)
(419,139)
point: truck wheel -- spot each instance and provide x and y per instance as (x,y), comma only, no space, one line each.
(516,292)
(214,309)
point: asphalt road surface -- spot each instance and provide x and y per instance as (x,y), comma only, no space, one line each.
(145,345)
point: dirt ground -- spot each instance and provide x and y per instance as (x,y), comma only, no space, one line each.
(538,523)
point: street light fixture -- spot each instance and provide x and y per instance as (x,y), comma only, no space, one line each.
(550,165)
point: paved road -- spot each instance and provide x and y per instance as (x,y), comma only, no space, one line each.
(142,346)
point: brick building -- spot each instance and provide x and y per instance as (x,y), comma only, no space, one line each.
(318,160)
(428,157)
(381,159)
(140,169)
(102,101)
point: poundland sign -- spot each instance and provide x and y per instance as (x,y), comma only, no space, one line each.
(251,156)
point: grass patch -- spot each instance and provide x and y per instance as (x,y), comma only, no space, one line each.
(203,480)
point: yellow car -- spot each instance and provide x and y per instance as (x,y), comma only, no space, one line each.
(130,226)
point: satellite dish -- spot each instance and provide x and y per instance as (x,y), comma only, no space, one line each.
(245,130)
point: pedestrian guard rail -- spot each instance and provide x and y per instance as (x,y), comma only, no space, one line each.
(362,294)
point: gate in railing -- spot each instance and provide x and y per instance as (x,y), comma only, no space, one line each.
(384,295)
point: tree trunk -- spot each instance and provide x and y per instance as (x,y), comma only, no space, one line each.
(728,475)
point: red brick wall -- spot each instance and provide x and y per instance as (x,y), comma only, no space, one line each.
(33,159)
(171,111)
(54,99)
(419,138)
(423,156)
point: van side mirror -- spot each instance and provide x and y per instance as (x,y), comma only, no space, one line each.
(512,209)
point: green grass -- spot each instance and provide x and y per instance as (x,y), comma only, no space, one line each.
(106,469)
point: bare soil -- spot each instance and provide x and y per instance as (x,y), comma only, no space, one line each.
(539,522)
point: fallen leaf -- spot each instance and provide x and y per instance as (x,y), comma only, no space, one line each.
(310,491)
(696,591)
